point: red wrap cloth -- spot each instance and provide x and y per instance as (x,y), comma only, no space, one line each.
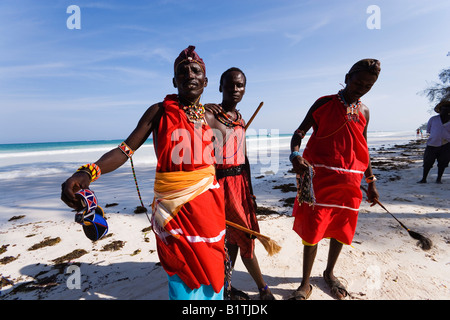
(338,152)
(238,200)
(197,255)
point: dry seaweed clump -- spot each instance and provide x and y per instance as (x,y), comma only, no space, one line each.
(4,282)
(265,211)
(140,209)
(287,187)
(16,218)
(75,254)
(8,259)
(3,248)
(47,242)
(114,246)
(288,202)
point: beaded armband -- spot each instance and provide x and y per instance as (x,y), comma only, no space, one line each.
(92,170)
(293,155)
(371,179)
(126,149)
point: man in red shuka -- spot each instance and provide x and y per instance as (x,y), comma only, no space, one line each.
(233,174)
(337,151)
(188,209)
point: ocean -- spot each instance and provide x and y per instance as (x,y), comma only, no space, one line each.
(31,160)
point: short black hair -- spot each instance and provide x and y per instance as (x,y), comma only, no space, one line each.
(222,77)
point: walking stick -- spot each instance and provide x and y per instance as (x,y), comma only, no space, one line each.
(254,115)
(270,245)
(424,242)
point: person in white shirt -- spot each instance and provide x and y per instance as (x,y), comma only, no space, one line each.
(438,143)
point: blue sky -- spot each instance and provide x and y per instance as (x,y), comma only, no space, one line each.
(60,84)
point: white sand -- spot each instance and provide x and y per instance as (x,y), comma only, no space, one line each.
(383,262)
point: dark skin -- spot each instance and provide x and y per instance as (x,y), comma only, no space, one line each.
(233,90)
(357,85)
(190,80)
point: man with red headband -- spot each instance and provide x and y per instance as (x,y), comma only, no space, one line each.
(188,208)
(335,158)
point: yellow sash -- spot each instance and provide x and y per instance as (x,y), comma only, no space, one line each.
(174,189)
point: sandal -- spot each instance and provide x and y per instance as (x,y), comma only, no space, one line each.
(265,293)
(337,288)
(299,295)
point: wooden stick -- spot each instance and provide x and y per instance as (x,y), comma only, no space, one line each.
(237,226)
(270,245)
(254,115)
(424,242)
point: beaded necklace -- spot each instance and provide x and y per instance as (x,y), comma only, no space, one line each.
(194,113)
(225,119)
(352,109)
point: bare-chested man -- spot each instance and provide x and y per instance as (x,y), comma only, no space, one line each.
(233,174)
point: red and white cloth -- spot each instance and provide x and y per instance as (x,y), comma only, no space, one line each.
(338,152)
(191,242)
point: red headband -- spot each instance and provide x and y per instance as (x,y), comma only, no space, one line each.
(189,55)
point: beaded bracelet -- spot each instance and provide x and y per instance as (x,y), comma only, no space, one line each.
(293,155)
(92,170)
(126,149)
(89,201)
(371,179)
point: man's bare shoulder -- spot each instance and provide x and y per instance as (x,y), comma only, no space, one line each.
(152,113)
(210,119)
(365,111)
(209,114)
(320,102)
(323,100)
(156,106)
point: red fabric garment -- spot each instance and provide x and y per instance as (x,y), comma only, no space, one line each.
(232,151)
(338,152)
(198,255)
(238,200)
(183,146)
(239,209)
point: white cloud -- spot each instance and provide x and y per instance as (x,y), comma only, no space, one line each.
(307,32)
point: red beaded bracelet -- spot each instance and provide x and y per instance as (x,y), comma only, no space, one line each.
(126,149)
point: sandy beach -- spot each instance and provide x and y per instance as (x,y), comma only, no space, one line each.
(44,254)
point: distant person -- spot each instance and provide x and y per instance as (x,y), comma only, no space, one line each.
(337,152)
(233,174)
(438,143)
(188,210)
